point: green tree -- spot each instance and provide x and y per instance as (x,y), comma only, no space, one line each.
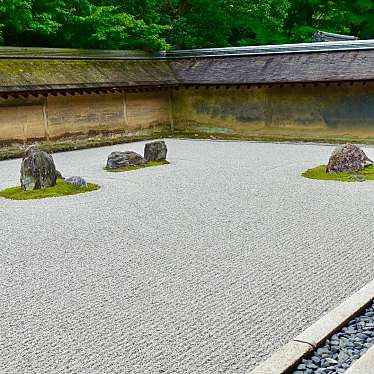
(162,24)
(107,27)
(76,23)
(36,22)
(221,23)
(354,17)
(361,18)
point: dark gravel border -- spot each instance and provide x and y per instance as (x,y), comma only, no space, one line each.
(343,348)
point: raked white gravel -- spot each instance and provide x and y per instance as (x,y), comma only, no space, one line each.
(204,266)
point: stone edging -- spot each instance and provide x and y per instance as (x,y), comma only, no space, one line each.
(290,355)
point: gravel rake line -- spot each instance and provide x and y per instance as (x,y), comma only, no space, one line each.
(203,267)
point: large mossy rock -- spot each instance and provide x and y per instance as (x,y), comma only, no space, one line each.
(124,159)
(155,151)
(347,158)
(38,169)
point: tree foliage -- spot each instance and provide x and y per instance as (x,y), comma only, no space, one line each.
(354,17)
(163,24)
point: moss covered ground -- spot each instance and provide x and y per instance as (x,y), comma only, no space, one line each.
(70,144)
(136,167)
(319,172)
(60,189)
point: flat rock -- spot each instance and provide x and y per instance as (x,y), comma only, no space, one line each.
(76,181)
(124,159)
(347,158)
(38,169)
(155,151)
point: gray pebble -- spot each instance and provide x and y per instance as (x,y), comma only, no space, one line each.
(343,348)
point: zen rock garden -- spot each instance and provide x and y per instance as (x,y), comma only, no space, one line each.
(347,163)
(212,232)
(154,154)
(40,179)
(212,263)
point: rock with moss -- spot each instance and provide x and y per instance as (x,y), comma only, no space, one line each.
(38,169)
(347,158)
(155,151)
(118,160)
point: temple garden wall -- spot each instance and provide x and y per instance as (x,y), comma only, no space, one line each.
(55,117)
(298,111)
(326,111)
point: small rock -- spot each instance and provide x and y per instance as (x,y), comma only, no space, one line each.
(155,151)
(76,181)
(312,366)
(351,330)
(316,360)
(322,351)
(357,176)
(342,357)
(344,342)
(361,336)
(124,159)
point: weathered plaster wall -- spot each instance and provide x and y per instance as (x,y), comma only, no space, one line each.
(312,111)
(146,110)
(86,114)
(21,119)
(318,111)
(28,119)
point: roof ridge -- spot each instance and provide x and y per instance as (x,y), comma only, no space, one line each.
(93,54)
(272,49)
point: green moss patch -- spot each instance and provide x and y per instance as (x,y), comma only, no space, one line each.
(8,150)
(136,167)
(319,172)
(60,189)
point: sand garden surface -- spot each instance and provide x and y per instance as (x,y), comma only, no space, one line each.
(206,265)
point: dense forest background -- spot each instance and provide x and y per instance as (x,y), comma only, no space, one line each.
(170,24)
